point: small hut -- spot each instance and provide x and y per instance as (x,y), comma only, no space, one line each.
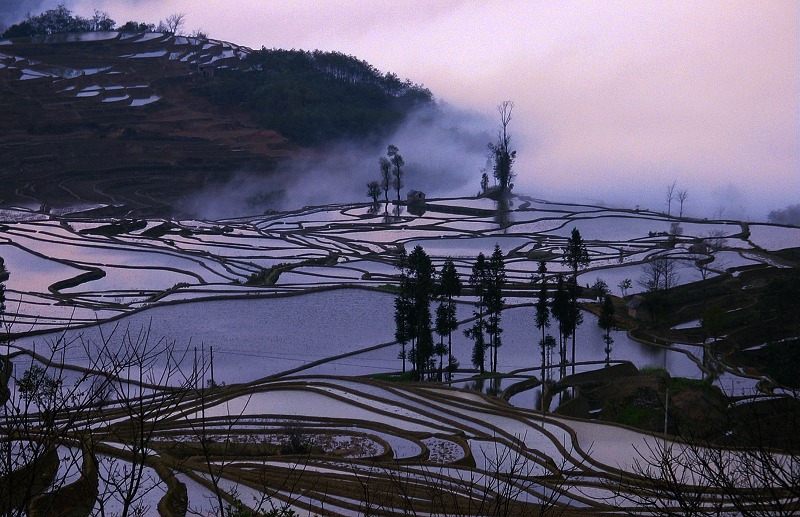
(415,196)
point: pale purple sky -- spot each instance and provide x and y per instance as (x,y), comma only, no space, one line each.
(614,99)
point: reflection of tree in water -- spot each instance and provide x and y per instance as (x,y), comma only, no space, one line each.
(478,384)
(394,216)
(494,386)
(502,216)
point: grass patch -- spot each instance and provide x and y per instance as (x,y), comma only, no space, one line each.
(639,417)
(652,370)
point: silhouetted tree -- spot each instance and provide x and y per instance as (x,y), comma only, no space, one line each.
(374,191)
(101,21)
(386,176)
(600,288)
(502,154)
(670,196)
(402,307)
(576,255)
(560,308)
(484,182)
(132,26)
(450,286)
(420,276)
(624,285)
(173,24)
(542,311)
(546,345)
(659,275)
(442,329)
(477,282)
(495,282)
(607,322)
(574,315)
(397,172)
(682,195)
(58,20)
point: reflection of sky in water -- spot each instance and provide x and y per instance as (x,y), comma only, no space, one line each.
(255,338)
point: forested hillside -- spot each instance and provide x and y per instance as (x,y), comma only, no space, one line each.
(313,97)
(139,116)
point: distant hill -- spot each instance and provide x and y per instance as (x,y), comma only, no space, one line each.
(139,119)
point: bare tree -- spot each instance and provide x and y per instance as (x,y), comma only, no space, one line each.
(670,196)
(755,475)
(501,151)
(57,407)
(682,195)
(173,24)
(659,274)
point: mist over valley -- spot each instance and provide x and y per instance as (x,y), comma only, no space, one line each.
(249,281)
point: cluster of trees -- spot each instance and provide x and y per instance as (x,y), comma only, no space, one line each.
(563,306)
(487,281)
(62,20)
(673,194)
(59,20)
(391,168)
(502,156)
(420,285)
(313,97)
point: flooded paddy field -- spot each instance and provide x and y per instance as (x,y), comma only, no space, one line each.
(256,330)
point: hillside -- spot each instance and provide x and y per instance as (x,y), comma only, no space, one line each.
(137,120)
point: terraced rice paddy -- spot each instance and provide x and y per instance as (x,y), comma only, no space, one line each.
(137,309)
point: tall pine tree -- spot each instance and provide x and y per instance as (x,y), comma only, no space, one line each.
(495,282)
(450,286)
(477,281)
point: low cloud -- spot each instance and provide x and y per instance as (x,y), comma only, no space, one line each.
(14,11)
(788,215)
(444,150)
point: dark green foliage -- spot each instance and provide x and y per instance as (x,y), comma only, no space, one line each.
(600,288)
(475,333)
(560,309)
(487,281)
(314,97)
(495,281)
(374,191)
(450,286)
(501,151)
(137,27)
(546,346)
(412,309)
(450,283)
(478,281)
(402,308)
(421,290)
(543,312)
(576,255)
(59,20)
